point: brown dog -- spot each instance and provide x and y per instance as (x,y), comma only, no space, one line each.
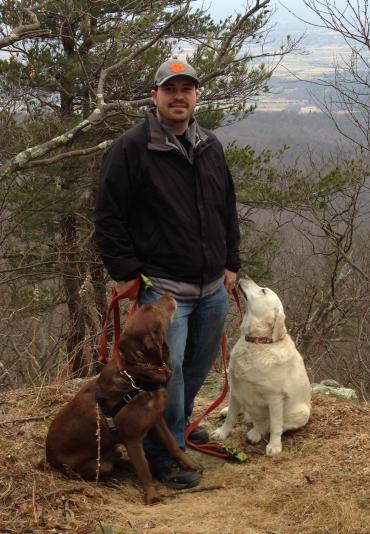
(84,434)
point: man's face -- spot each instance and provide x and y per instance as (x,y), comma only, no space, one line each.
(175,100)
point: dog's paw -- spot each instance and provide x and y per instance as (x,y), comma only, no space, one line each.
(190,465)
(247,418)
(152,497)
(271,449)
(224,411)
(219,433)
(40,464)
(254,436)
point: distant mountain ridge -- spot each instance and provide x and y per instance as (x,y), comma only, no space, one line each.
(301,131)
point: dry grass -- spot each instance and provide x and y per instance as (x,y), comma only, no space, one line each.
(319,484)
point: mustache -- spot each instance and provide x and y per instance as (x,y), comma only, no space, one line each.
(179,103)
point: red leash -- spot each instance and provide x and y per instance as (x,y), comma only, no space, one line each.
(114,306)
(213,448)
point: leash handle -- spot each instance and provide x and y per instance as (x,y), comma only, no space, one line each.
(114,306)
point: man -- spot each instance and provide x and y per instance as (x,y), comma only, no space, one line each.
(166,209)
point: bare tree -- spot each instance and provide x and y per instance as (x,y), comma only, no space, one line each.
(307,235)
(349,88)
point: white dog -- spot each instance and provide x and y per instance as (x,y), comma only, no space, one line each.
(268,379)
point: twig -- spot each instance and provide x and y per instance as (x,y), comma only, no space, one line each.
(98,441)
(34,508)
(23,420)
(7,491)
(78,489)
(196,490)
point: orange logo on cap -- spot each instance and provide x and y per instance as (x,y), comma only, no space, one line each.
(177,67)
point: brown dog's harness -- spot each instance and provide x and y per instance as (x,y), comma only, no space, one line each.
(110,411)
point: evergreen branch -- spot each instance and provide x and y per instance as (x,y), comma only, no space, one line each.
(237,27)
(72,154)
(23,159)
(124,61)
(25,31)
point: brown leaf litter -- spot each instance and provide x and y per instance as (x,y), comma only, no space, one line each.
(320,483)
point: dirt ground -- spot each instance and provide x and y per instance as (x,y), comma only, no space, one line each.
(320,483)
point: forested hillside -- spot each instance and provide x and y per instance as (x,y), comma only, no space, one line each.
(73,79)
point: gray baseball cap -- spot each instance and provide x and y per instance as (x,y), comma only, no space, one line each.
(174,67)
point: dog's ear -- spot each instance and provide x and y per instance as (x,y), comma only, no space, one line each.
(155,342)
(279,330)
(127,346)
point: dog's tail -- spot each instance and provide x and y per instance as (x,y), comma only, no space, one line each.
(297,418)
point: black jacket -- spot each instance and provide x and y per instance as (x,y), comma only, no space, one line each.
(163,212)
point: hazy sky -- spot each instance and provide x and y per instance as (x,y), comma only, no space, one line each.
(321,48)
(221,8)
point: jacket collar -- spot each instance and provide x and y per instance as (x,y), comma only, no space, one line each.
(162,139)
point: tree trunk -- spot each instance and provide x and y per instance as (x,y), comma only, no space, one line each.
(72,280)
(99,286)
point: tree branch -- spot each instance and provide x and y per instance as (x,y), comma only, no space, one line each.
(23,159)
(25,31)
(236,28)
(124,61)
(72,154)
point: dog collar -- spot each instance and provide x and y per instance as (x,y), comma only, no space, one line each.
(142,386)
(258,340)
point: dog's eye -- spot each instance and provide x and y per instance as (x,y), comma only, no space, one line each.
(263,291)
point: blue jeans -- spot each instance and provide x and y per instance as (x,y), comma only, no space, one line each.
(194,339)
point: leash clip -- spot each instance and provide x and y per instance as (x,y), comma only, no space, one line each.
(133,385)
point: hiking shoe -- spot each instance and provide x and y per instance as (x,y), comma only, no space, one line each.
(199,435)
(174,477)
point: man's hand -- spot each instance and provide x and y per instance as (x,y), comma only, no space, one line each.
(229,280)
(122,287)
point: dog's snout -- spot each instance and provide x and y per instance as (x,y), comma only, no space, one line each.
(168,300)
(241,289)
